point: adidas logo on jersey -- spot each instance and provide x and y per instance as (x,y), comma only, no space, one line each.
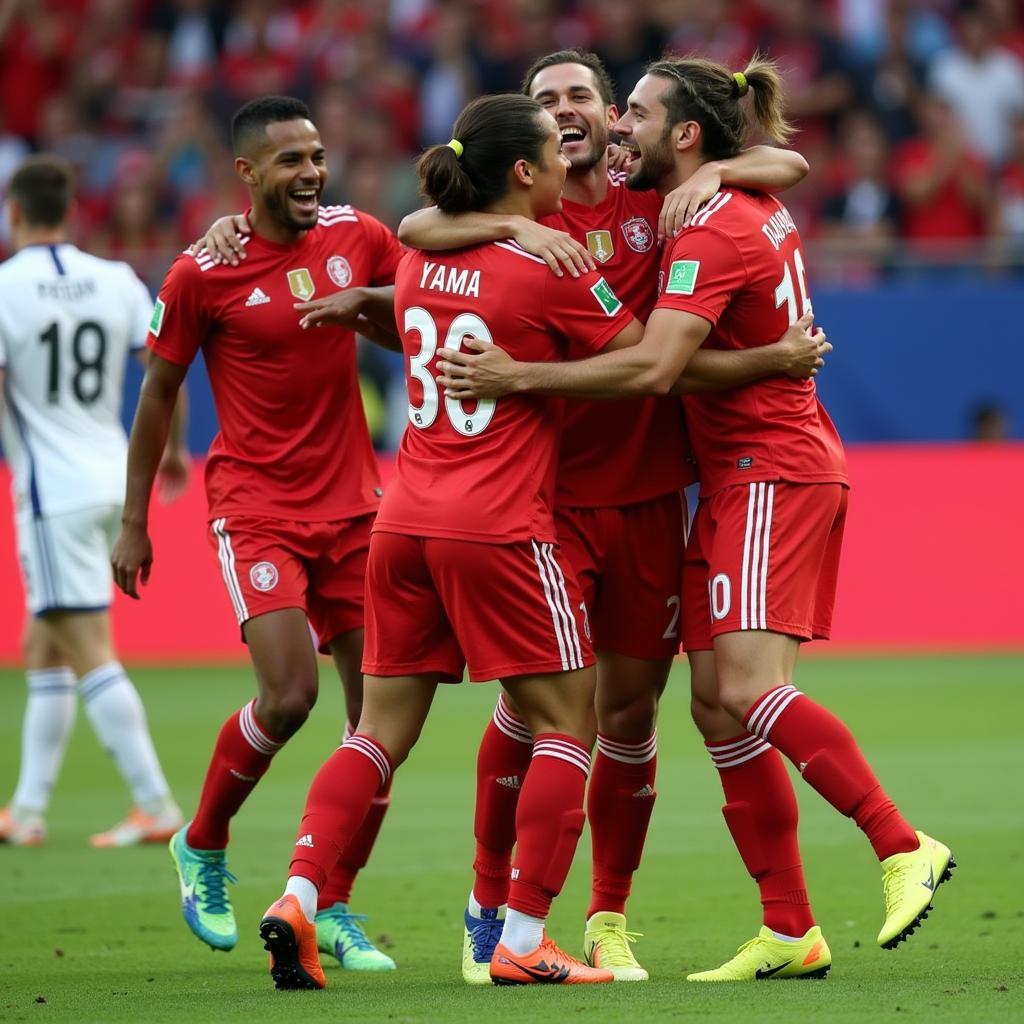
(647,790)
(306,840)
(509,781)
(257,297)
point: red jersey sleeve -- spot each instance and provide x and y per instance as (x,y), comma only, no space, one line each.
(585,310)
(385,248)
(703,271)
(181,318)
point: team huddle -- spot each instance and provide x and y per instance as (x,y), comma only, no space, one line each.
(614,452)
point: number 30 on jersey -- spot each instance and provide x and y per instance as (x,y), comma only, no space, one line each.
(422,416)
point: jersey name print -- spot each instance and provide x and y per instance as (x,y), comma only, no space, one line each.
(293,441)
(67,323)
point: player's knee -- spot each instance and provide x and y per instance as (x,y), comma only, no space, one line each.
(630,718)
(736,697)
(284,714)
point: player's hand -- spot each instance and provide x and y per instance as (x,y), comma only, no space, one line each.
(485,371)
(556,248)
(132,559)
(341,308)
(617,157)
(172,475)
(223,240)
(684,201)
(803,348)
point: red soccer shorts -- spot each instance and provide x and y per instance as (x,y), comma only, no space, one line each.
(269,564)
(763,556)
(435,605)
(628,561)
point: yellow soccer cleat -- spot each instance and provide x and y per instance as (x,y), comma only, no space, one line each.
(909,881)
(480,938)
(606,944)
(768,958)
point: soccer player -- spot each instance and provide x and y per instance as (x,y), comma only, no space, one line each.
(761,567)
(67,323)
(619,512)
(464,569)
(291,480)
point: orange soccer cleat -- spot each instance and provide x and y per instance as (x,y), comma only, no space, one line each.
(140,827)
(20,827)
(546,965)
(291,941)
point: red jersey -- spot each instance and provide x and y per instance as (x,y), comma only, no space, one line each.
(620,453)
(485,471)
(739,265)
(293,441)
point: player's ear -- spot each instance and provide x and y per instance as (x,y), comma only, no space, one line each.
(244,169)
(686,135)
(522,172)
(613,115)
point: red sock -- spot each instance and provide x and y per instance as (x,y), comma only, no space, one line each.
(338,800)
(761,812)
(241,756)
(619,805)
(548,822)
(355,856)
(828,757)
(501,767)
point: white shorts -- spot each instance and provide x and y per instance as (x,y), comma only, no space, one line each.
(65,559)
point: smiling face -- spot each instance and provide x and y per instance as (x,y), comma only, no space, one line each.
(570,94)
(646,135)
(549,174)
(287,172)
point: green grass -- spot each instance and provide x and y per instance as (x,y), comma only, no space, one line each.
(99,935)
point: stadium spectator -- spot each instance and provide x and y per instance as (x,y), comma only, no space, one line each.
(1009,217)
(983,83)
(625,37)
(192,35)
(989,422)
(68,322)
(942,185)
(711,28)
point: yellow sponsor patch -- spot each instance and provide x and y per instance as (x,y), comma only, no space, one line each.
(600,245)
(301,284)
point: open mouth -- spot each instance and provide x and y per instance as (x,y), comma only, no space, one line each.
(632,151)
(572,133)
(305,199)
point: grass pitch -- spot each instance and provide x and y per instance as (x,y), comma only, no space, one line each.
(97,935)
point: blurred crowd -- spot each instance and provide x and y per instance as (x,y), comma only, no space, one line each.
(911,112)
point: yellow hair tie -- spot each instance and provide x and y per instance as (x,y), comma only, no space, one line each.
(457,146)
(741,83)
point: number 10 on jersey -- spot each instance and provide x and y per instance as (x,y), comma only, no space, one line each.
(423,415)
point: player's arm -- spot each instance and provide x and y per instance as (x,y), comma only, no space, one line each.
(799,353)
(368,310)
(172,473)
(430,229)
(223,239)
(637,361)
(133,551)
(764,168)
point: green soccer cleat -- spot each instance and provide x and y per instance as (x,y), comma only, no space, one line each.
(909,881)
(767,957)
(606,944)
(341,934)
(205,905)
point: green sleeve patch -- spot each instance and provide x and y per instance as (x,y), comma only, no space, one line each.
(682,277)
(157,320)
(606,298)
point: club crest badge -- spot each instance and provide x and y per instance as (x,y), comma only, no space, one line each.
(301,284)
(638,234)
(263,576)
(600,245)
(339,271)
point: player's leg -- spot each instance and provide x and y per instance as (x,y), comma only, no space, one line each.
(635,619)
(339,798)
(45,731)
(118,718)
(795,535)
(557,708)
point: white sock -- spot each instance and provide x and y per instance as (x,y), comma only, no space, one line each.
(474,906)
(787,938)
(305,892)
(522,934)
(45,731)
(119,720)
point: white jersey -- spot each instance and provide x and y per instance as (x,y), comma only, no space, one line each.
(67,323)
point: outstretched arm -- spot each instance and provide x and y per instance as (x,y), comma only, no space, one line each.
(760,167)
(431,229)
